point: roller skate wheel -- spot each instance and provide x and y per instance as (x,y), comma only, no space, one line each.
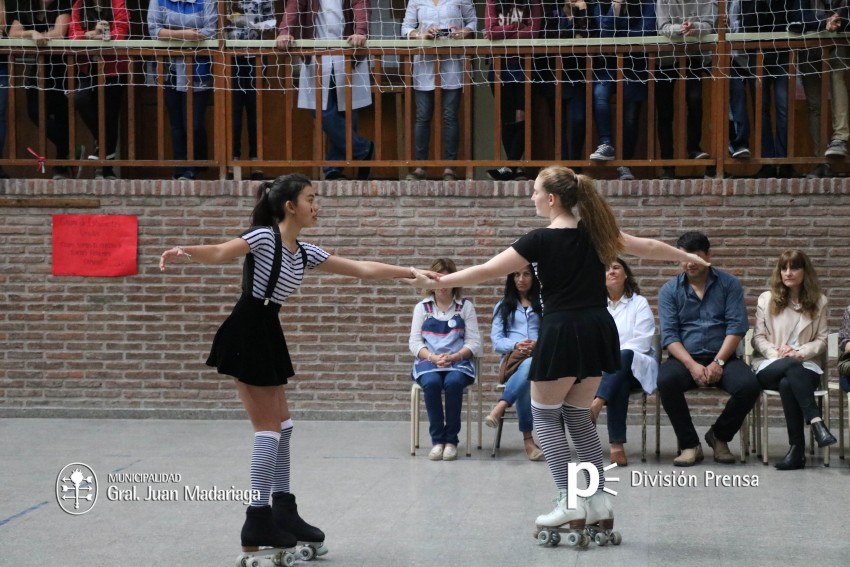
(306,553)
(242,561)
(573,539)
(600,539)
(616,538)
(555,539)
(322,550)
(543,537)
(585,540)
(288,559)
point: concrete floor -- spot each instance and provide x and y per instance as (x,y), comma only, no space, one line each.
(381,507)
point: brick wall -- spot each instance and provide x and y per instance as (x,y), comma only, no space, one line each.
(135,346)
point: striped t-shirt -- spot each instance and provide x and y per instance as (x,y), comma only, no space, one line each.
(261,241)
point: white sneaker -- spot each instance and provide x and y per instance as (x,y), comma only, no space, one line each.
(562,515)
(450,453)
(836,148)
(436,453)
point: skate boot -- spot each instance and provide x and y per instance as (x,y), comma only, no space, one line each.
(311,540)
(600,519)
(263,543)
(562,520)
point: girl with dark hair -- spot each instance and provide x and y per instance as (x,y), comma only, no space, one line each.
(516,326)
(105,20)
(250,346)
(444,338)
(638,366)
(790,333)
(578,337)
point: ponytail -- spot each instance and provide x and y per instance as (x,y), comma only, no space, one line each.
(595,215)
(272,197)
(598,220)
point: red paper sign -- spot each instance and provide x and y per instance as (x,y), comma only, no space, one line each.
(94,245)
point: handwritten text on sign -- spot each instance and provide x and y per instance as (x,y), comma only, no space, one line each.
(94,245)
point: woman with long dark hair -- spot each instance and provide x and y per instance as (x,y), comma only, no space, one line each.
(250,346)
(578,337)
(638,366)
(516,326)
(790,333)
(104,20)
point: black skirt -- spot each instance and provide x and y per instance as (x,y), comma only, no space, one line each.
(582,343)
(250,345)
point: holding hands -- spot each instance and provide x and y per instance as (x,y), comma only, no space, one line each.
(786,351)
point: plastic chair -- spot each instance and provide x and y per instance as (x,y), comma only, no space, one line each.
(415,418)
(843,397)
(821,394)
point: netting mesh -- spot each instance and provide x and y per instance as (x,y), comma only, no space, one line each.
(67,45)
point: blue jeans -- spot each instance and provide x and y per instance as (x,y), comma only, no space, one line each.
(333,123)
(615,388)
(177,103)
(444,427)
(775,81)
(518,394)
(602,92)
(424,113)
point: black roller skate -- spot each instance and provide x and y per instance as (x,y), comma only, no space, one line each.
(311,540)
(264,544)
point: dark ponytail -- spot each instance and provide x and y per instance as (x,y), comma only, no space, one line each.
(272,196)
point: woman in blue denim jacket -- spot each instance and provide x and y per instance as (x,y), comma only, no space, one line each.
(516,326)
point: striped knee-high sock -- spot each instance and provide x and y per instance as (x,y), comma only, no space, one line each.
(281,469)
(553,440)
(262,465)
(586,438)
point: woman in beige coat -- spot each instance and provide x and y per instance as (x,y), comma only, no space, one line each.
(790,333)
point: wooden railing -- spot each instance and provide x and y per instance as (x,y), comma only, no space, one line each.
(289,138)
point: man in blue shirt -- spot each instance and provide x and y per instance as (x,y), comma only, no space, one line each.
(703,318)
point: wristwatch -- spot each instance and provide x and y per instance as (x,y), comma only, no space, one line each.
(720,363)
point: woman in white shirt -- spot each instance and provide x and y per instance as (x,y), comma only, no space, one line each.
(790,332)
(638,365)
(434,19)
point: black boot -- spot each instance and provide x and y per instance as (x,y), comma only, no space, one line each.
(260,530)
(286,516)
(794,459)
(822,435)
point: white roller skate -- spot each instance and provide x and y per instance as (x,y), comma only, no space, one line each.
(263,543)
(562,520)
(600,519)
(311,540)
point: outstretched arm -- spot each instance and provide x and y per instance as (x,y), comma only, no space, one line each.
(207,254)
(652,249)
(500,265)
(363,270)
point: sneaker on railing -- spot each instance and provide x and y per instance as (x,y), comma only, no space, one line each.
(501,174)
(740,153)
(605,152)
(519,174)
(836,148)
(699,154)
(625,174)
(668,172)
(820,171)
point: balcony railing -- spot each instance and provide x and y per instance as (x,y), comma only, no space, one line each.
(284,144)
